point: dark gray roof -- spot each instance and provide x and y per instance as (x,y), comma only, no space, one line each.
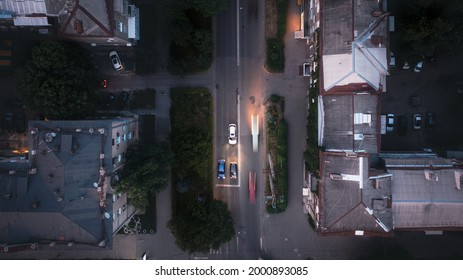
(344,20)
(337,26)
(353,203)
(340,130)
(427,198)
(54,196)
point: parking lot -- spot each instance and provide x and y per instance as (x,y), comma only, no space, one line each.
(438,88)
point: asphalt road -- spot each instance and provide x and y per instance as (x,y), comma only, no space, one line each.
(240,87)
(238,79)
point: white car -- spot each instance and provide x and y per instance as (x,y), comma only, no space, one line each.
(115,60)
(418,67)
(390,123)
(232,134)
(416,121)
(392,60)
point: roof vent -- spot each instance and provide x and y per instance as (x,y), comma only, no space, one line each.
(12,172)
(430,175)
(335,176)
(78,130)
(458,179)
(91,130)
(376,183)
(101,130)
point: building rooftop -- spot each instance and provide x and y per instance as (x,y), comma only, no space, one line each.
(354,44)
(427,198)
(60,194)
(351,200)
(350,122)
(88,18)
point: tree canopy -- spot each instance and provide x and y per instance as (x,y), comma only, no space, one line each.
(58,81)
(432,26)
(190,33)
(145,173)
(202,226)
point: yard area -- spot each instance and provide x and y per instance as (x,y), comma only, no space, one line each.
(191,138)
(276,191)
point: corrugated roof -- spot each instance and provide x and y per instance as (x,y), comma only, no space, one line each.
(419,202)
(338,126)
(31,21)
(24,7)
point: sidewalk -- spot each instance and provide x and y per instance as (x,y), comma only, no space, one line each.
(279,242)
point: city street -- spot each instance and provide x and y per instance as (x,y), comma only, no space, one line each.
(240,86)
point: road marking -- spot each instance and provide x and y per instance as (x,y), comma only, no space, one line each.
(239,134)
(238,33)
(227,186)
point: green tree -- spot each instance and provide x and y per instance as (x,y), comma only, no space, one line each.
(193,150)
(204,43)
(59,81)
(202,226)
(209,8)
(145,173)
(432,26)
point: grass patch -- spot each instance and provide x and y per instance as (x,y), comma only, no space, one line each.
(275,49)
(143,99)
(191,138)
(277,147)
(311,154)
(275,55)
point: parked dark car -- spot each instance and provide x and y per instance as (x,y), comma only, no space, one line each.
(402,125)
(221,169)
(430,120)
(233,170)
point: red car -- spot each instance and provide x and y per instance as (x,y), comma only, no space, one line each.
(252,187)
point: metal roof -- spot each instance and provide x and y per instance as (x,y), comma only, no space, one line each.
(422,203)
(341,131)
(355,202)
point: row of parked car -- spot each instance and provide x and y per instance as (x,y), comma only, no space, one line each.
(402,123)
(406,66)
(232,140)
(221,170)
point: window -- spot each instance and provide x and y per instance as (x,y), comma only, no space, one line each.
(113,141)
(119,158)
(130,135)
(118,140)
(124,137)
